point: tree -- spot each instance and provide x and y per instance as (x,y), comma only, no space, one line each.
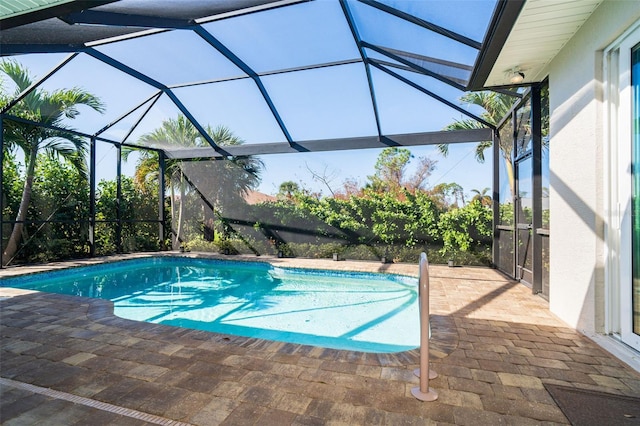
(233,177)
(177,132)
(12,185)
(448,194)
(495,106)
(350,188)
(61,200)
(482,196)
(390,171)
(48,108)
(418,180)
(288,189)
(465,229)
(135,202)
(325,177)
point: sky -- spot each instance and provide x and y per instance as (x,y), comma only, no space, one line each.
(331,102)
(459,167)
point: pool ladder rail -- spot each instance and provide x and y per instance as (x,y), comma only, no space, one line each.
(424,392)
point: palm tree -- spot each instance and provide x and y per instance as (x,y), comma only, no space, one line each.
(234,177)
(482,196)
(48,108)
(287,189)
(495,106)
(178,132)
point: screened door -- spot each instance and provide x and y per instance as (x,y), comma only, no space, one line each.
(521,246)
(524,221)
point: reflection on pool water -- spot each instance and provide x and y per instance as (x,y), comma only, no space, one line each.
(341,310)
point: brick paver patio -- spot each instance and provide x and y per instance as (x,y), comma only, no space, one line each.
(69,361)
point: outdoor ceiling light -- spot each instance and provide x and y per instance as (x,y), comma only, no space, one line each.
(516,75)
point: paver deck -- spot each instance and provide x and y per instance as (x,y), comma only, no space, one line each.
(69,361)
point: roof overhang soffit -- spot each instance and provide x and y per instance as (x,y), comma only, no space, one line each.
(47,9)
(504,18)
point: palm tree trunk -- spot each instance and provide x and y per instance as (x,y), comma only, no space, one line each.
(12,245)
(510,175)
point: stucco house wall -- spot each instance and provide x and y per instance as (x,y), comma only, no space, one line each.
(577,164)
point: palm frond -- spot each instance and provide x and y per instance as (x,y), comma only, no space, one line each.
(467,124)
(480,148)
(17,73)
(223,136)
(495,106)
(443,148)
(147,170)
(71,147)
(29,106)
(66,101)
(174,131)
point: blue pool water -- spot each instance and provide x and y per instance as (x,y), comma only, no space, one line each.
(340,310)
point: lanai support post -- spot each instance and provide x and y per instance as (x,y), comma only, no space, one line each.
(536,133)
(92,197)
(1,193)
(495,201)
(119,199)
(161,213)
(514,197)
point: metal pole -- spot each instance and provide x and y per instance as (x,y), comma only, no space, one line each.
(119,200)
(1,192)
(495,203)
(92,197)
(536,133)
(424,392)
(161,213)
(514,196)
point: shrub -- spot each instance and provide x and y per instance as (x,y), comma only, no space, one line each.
(466,229)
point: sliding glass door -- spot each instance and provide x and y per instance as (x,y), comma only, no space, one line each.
(635,196)
(623,92)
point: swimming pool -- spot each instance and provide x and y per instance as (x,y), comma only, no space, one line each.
(341,310)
